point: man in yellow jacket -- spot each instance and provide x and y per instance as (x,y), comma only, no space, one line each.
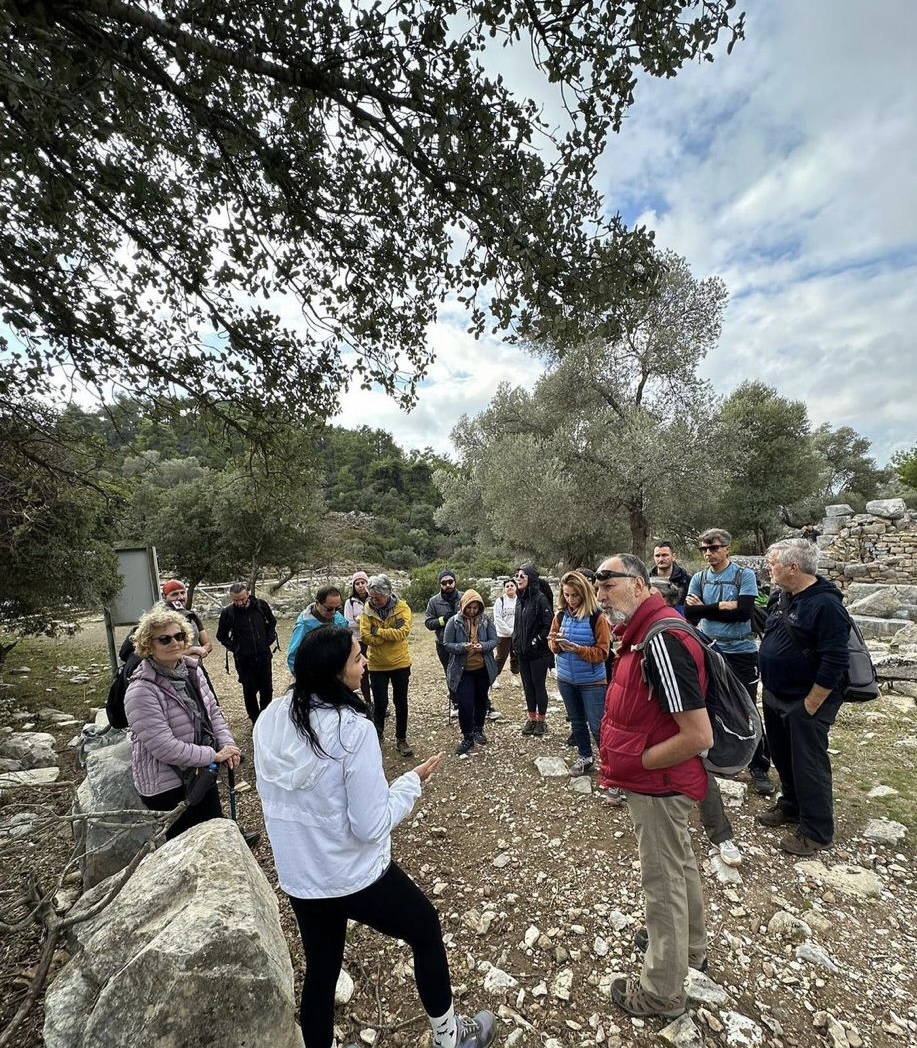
(384,628)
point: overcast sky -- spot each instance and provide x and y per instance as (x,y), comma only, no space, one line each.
(789,169)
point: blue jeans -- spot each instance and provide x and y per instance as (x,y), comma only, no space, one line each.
(585,705)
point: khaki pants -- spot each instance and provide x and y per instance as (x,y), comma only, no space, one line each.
(672,891)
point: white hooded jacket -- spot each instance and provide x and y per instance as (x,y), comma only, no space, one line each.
(329,818)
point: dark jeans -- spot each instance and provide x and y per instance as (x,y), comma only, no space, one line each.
(256,677)
(209,808)
(505,651)
(744,664)
(378,681)
(393,905)
(534,673)
(799,748)
(472,700)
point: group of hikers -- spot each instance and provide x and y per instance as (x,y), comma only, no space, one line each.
(637,714)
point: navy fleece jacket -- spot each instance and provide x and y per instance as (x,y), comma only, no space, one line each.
(820,621)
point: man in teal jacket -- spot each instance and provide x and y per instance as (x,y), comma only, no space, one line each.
(325,610)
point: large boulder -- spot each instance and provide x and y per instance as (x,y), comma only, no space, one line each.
(109,844)
(190,952)
(33,749)
(882,603)
(890,509)
(839,510)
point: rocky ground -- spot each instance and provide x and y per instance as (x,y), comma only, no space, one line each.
(537,882)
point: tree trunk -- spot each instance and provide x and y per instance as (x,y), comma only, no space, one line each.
(284,579)
(639,526)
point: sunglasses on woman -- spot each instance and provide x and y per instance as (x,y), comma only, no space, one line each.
(167,638)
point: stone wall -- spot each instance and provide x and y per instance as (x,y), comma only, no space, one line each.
(879,545)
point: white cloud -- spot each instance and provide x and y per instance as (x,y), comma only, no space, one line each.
(788,169)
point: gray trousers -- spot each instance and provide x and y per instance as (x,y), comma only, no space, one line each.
(672,893)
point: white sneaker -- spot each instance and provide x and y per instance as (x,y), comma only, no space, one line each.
(453,712)
(494,715)
(730,854)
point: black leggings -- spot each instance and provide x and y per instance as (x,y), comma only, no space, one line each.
(209,808)
(378,681)
(393,905)
(534,673)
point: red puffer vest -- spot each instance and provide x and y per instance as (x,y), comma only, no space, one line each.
(634,720)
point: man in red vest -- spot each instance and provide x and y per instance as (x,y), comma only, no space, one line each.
(652,733)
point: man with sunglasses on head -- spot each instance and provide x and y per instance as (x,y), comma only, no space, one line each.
(325,610)
(720,602)
(654,728)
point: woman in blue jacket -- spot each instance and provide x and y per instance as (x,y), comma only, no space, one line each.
(580,639)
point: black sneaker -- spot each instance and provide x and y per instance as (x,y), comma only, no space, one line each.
(465,745)
(775,816)
(761,783)
(480,737)
(529,727)
(571,739)
(539,728)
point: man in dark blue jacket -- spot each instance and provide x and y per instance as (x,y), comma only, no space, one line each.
(804,661)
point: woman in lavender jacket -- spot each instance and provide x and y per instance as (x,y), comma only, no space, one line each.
(174,718)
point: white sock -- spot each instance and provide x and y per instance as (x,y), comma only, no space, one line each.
(445,1030)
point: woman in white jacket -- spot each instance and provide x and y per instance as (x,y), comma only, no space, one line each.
(329,813)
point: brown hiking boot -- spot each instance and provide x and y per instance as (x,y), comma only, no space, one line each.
(630,995)
(401,745)
(797,843)
(775,816)
(529,727)
(539,727)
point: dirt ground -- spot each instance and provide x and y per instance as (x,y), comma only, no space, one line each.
(543,883)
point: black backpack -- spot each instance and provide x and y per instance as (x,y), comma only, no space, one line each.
(114,703)
(733,714)
(861,683)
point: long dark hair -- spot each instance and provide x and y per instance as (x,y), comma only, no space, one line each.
(318,665)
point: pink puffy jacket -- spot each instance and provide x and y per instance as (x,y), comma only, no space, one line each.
(162,730)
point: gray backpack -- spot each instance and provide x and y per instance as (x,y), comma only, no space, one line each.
(733,715)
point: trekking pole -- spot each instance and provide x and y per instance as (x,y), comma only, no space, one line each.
(231,775)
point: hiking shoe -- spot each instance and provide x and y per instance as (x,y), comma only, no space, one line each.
(630,995)
(642,942)
(494,715)
(540,727)
(453,712)
(571,739)
(729,853)
(465,745)
(478,1032)
(480,737)
(401,745)
(614,796)
(797,843)
(761,783)
(581,766)
(775,816)
(529,727)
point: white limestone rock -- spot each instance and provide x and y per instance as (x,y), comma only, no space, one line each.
(191,948)
(701,989)
(845,878)
(740,1031)
(682,1033)
(33,749)
(109,786)
(814,954)
(552,767)
(884,831)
